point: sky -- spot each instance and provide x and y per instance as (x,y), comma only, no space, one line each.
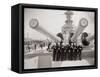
(53,20)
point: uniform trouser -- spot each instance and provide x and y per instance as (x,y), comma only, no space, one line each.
(58,56)
(62,56)
(80,57)
(65,55)
(69,55)
(74,55)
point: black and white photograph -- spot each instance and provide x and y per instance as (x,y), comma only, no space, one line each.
(58,38)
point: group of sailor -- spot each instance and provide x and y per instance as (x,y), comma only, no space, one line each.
(67,52)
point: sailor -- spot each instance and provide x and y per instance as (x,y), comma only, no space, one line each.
(71,51)
(80,52)
(54,52)
(62,52)
(75,52)
(58,54)
(65,48)
(66,52)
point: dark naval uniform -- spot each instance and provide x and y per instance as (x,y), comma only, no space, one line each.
(79,52)
(54,53)
(62,53)
(67,48)
(71,53)
(75,53)
(65,52)
(58,54)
